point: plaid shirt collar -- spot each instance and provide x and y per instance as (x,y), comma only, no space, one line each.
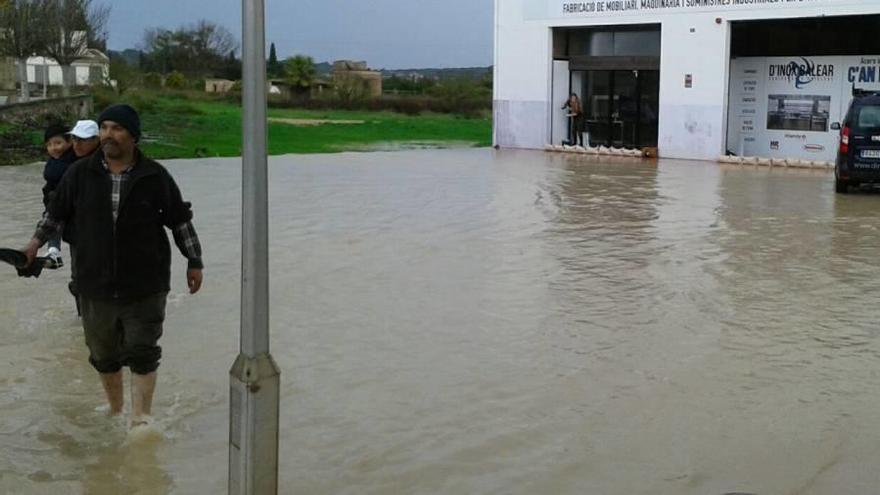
(117,181)
(124,171)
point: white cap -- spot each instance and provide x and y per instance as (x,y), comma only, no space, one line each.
(85,129)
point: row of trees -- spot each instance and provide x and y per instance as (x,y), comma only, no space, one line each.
(206,50)
(177,58)
(57,29)
(197,50)
(184,57)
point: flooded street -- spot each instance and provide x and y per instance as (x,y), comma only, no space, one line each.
(482,322)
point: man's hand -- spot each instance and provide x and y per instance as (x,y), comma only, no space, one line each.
(194,279)
(30,250)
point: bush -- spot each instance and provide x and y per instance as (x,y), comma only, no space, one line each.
(142,101)
(123,77)
(137,99)
(234,94)
(21,137)
(175,95)
(103,97)
(153,80)
(462,96)
(349,90)
(17,145)
(176,80)
(182,109)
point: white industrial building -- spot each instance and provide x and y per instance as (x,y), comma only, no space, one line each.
(695,78)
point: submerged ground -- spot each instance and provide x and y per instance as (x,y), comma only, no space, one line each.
(473,321)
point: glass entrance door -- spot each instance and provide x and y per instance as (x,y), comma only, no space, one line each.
(621,107)
(597,97)
(649,107)
(625,110)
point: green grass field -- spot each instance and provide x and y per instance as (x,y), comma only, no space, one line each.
(185,128)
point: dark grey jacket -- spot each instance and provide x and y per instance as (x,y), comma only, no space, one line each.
(132,258)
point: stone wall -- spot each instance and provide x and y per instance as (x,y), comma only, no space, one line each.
(80,107)
(7,74)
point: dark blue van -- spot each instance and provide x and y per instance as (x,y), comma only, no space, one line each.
(858,157)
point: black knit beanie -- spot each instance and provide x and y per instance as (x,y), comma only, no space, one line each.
(55,130)
(125,116)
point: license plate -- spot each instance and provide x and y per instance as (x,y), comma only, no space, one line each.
(870,153)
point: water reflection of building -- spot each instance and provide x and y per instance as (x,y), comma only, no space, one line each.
(775,278)
(604,192)
(855,234)
(602,230)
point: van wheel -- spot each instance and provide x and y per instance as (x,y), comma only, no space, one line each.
(841,186)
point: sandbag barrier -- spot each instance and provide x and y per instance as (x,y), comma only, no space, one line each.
(727,159)
(776,162)
(597,150)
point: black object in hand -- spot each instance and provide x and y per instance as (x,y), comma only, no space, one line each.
(18,259)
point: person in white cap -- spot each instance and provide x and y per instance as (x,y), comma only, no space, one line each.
(85,138)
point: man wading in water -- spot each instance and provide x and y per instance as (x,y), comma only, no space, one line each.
(121,203)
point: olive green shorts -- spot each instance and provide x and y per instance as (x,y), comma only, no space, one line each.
(124,333)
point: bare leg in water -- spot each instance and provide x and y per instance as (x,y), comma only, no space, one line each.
(142,388)
(112,383)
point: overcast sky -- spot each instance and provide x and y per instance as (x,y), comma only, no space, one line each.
(392,34)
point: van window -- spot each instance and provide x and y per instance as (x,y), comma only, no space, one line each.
(869,117)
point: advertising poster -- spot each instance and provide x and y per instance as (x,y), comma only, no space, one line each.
(746,105)
(783,107)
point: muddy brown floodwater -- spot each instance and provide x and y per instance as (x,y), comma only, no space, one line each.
(483,322)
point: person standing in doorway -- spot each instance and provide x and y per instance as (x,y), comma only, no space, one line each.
(121,202)
(575,120)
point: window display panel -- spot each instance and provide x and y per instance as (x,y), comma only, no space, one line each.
(798,112)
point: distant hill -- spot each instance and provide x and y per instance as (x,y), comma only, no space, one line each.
(323,69)
(132,57)
(455,73)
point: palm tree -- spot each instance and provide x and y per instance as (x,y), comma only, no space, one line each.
(300,73)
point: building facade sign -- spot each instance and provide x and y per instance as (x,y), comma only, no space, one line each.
(561,9)
(784,106)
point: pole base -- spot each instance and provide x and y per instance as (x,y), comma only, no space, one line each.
(253,425)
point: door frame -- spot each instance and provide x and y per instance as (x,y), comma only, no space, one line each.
(614,96)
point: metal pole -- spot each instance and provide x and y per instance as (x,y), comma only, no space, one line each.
(254,377)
